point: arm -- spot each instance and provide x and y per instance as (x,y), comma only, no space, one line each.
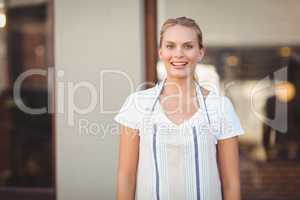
(128,160)
(228,160)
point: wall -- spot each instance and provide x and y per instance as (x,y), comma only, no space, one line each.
(235,22)
(92,36)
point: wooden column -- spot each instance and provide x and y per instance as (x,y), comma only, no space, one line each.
(150,17)
(51,63)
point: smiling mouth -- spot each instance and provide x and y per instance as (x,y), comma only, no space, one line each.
(179,65)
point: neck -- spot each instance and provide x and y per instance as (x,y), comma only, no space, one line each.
(184,86)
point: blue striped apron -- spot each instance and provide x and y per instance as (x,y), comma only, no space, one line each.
(184,164)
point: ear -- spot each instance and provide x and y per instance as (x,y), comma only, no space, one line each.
(201,54)
(159,52)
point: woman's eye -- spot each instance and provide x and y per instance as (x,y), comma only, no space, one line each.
(169,46)
(188,46)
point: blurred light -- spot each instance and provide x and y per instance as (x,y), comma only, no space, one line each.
(40,50)
(2,20)
(208,77)
(161,71)
(285,91)
(232,61)
(285,52)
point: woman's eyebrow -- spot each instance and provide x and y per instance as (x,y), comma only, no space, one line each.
(187,42)
(170,42)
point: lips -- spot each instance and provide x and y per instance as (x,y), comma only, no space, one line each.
(179,65)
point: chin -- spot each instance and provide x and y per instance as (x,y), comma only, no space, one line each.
(179,74)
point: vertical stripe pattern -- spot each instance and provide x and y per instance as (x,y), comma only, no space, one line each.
(196,162)
(181,167)
(156,165)
(189,168)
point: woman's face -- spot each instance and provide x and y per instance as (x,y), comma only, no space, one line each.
(180,51)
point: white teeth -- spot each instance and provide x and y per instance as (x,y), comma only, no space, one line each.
(179,63)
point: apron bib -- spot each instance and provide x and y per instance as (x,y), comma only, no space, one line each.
(183,159)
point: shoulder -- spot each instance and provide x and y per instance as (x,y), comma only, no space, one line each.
(216,100)
(144,95)
(147,92)
(143,99)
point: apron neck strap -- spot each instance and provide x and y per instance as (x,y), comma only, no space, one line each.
(201,100)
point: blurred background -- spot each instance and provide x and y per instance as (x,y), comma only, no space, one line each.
(87,46)
(26,155)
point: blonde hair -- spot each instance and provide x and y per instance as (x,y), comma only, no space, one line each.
(183,21)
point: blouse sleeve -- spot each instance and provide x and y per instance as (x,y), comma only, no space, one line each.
(230,123)
(129,114)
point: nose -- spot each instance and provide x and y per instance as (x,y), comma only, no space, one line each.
(178,52)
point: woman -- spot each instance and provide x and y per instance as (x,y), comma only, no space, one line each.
(178,140)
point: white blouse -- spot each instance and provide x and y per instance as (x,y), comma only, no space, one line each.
(178,161)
